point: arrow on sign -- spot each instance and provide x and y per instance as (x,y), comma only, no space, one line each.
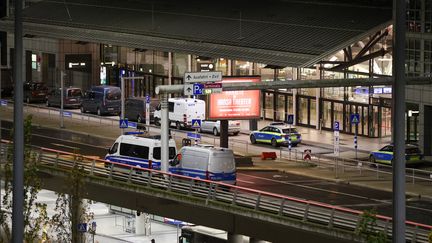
(188,77)
(189,89)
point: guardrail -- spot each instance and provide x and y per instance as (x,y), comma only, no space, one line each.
(307,211)
(340,166)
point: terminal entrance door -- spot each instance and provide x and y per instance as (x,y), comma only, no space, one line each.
(363,125)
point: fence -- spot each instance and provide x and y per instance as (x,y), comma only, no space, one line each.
(306,211)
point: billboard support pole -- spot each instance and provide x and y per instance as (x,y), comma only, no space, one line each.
(223,134)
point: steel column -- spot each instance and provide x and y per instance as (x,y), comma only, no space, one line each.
(164,132)
(398,134)
(18,165)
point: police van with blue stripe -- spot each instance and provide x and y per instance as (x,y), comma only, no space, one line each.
(139,151)
(205,162)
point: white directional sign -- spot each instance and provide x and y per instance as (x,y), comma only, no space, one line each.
(202,77)
(188,89)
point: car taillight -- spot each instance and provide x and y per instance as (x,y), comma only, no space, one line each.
(150,164)
(184,118)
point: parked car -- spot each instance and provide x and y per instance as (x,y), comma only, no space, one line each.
(214,127)
(135,109)
(385,155)
(102,100)
(71,98)
(276,135)
(35,92)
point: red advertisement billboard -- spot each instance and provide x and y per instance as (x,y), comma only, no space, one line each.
(241,104)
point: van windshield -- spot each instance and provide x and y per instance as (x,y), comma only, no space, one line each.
(157,153)
(113,94)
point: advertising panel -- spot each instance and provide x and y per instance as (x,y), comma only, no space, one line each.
(241,104)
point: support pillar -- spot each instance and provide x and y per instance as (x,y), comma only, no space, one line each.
(170,69)
(223,134)
(235,238)
(189,63)
(398,115)
(164,131)
(142,224)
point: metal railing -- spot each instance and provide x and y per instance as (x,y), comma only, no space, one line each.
(340,166)
(306,211)
(351,167)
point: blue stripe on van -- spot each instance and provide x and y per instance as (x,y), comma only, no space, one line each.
(143,163)
(231,176)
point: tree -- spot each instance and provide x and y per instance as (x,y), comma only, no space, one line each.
(70,209)
(35,214)
(367,228)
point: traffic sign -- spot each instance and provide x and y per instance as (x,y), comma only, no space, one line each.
(67,114)
(198,89)
(290,119)
(355,118)
(123,123)
(196,123)
(147,99)
(195,136)
(188,89)
(3,102)
(82,227)
(336,126)
(132,124)
(202,77)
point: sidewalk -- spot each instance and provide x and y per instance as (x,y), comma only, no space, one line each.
(324,138)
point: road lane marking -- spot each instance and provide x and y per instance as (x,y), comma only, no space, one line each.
(250,182)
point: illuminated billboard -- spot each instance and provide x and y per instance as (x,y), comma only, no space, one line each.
(241,104)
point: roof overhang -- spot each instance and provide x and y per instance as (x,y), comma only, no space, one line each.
(284,33)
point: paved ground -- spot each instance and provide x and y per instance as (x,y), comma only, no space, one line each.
(99,128)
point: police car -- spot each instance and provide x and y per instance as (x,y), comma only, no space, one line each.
(385,155)
(276,134)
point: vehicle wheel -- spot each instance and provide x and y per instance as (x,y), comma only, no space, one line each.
(98,112)
(156,121)
(372,160)
(253,139)
(178,126)
(215,131)
(236,133)
(294,144)
(139,119)
(82,109)
(274,142)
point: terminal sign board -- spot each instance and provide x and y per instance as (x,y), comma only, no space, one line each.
(241,104)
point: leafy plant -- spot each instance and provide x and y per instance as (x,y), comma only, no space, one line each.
(35,214)
(70,209)
(367,228)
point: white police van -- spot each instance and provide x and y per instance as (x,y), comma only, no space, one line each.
(181,111)
(205,162)
(139,150)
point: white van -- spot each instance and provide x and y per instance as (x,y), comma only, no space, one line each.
(181,111)
(139,151)
(205,162)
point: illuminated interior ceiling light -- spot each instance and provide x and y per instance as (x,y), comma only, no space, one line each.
(82,64)
(221,59)
(198,60)
(112,63)
(150,70)
(141,69)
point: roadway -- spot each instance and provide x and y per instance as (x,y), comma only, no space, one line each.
(342,194)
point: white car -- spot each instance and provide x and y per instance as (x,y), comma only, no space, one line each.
(213,126)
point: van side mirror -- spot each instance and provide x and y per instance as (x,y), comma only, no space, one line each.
(176,160)
(109,150)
